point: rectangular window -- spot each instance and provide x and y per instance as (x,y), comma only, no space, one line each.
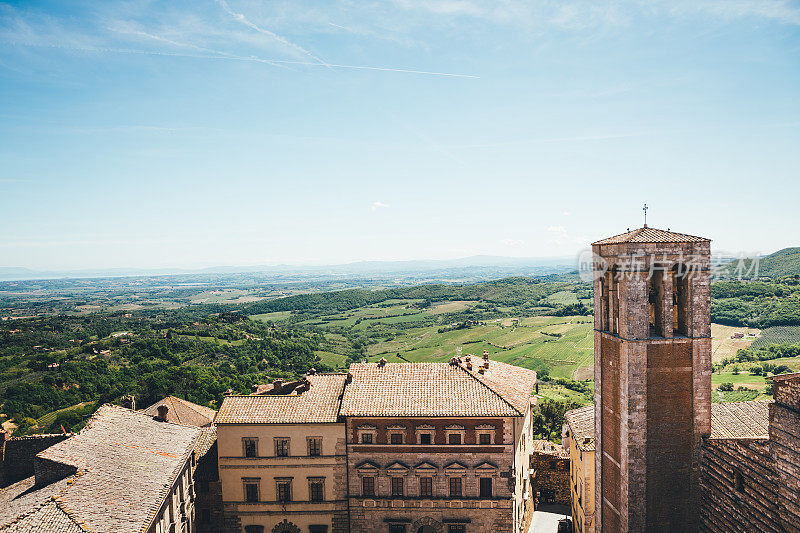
(281,447)
(397,486)
(396,438)
(425,438)
(315,446)
(251,491)
(455,487)
(317,529)
(485,438)
(284,491)
(366,438)
(397,528)
(456,528)
(250,445)
(316,490)
(486,487)
(368,486)
(454,438)
(426,486)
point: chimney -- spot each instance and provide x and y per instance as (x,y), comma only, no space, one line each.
(228,392)
(277,384)
(349,377)
(382,362)
(482,370)
(254,388)
(469,364)
(312,371)
(129,402)
(162,413)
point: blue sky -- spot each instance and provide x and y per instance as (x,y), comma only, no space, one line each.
(209,132)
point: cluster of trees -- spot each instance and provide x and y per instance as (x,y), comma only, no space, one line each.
(186,359)
(755,304)
(512,292)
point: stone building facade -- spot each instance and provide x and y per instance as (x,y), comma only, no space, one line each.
(549,473)
(438,447)
(652,378)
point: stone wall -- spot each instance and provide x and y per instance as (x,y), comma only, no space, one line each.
(551,477)
(739,488)
(17,455)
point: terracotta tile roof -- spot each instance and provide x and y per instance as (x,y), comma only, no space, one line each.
(183,412)
(128,461)
(581,424)
(437,389)
(549,448)
(740,420)
(23,507)
(319,404)
(648,235)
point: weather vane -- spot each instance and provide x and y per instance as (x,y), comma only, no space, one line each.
(645,214)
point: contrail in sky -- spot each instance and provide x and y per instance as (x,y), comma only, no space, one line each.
(241,18)
(230,57)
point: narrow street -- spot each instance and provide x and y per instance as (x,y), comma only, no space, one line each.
(545,519)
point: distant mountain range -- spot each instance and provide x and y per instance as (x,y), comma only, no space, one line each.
(471,266)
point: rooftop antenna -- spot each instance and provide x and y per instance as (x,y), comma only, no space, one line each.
(645,214)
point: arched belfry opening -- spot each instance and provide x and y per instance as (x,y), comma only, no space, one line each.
(680,300)
(655,302)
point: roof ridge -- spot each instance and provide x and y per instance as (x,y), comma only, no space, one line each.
(469,373)
(192,405)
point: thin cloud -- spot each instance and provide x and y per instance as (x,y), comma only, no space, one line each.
(512,242)
(378,205)
(241,18)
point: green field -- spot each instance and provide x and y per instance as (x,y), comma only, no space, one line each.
(778,335)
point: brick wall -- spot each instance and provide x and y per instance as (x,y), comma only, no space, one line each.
(738,485)
(784,433)
(17,455)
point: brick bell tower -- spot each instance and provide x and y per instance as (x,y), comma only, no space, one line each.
(652,372)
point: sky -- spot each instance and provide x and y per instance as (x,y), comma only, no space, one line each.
(241,132)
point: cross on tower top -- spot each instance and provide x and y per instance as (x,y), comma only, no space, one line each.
(645,208)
